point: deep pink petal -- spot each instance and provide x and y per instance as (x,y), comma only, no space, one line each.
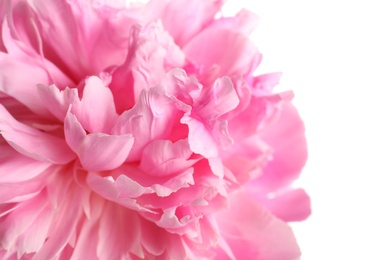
(253,233)
(32,142)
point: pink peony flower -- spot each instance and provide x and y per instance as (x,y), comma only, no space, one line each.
(139,131)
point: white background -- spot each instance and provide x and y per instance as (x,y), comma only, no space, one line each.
(335,55)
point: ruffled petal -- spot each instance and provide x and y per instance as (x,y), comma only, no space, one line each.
(152,52)
(151,118)
(206,132)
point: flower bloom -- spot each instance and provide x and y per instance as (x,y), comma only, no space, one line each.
(139,131)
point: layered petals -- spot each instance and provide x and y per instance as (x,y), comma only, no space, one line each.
(139,131)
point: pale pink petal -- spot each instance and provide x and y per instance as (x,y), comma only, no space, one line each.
(65,30)
(244,22)
(206,132)
(23,41)
(162,157)
(122,190)
(151,118)
(64,226)
(20,191)
(116,241)
(15,167)
(97,151)
(177,84)
(261,112)
(23,88)
(56,100)
(199,137)
(32,142)
(290,205)
(35,236)
(16,227)
(253,233)
(247,158)
(87,240)
(101,152)
(74,132)
(152,52)
(264,84)
(287,139)
(185,18)
(216,100)
(96,110)
(204,50)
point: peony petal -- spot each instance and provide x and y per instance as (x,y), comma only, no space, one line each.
(217,100)
(206,132)
(101,152)
(87,239)
(116,241)
(119,191)
(64,226)
(15,167)
(23,88)
(56,100)
(253,233)
(244,22)
(74,132)
(185,18)
(151,118)
(151,53)
(291,205)
(32,142)
(16,223)
(162,157)
(199,137)
(204,50)
(96,110)
(247,158)
(287,138)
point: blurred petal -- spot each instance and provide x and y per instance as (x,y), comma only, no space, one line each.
(241,58)
(291,205)
(253,233)
(287,139)
(184,18)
